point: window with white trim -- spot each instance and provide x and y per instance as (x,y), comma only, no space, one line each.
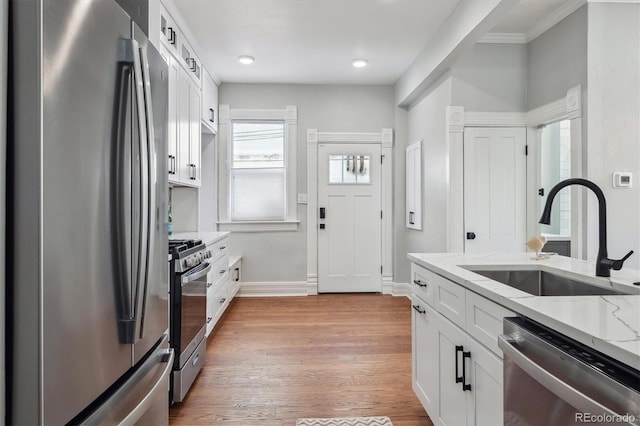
(258,169)
(257,173)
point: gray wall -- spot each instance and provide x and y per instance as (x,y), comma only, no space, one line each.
(426,121)
(491,77)
(557,60)
(614,124)
(281,256)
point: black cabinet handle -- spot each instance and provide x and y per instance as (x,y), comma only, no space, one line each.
(417,308)
(237,274)
(172,36)
(465,386)
(419,283)
(411,222)
(212,115)
(471,235)
(222,271)
(459,378)
(209,285)
(223,247)
(209,319)
(224,299)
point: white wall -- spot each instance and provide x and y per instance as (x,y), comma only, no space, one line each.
(281,256)
(491,77)
(426,122)
(557,61)
(614,123)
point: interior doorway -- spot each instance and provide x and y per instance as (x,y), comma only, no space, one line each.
(495,176)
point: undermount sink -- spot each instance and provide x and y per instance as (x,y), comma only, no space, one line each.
(541,283)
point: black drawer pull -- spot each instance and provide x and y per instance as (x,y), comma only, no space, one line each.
(209,319)
(465,386)
(417,308)
(419,283)
(459,378)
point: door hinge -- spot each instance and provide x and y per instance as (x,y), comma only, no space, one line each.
(381,157)
(380,214)
(381,269)
(526,150)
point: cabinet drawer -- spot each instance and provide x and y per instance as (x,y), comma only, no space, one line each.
(484,320)
(220,271)
(449,300)
(219,248)
(423,283)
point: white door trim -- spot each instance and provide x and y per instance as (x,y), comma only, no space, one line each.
(385,138)
(569,107)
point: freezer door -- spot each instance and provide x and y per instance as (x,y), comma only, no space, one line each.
(152,304)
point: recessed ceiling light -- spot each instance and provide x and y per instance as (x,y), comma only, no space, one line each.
(359,62)
(246,59)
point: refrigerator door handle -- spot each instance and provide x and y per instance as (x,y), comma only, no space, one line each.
(149,211)
(146,403)
(143,229)
(122,188)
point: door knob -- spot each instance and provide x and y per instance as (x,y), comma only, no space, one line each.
(471,235)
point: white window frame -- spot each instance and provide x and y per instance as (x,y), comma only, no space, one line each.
(225,134)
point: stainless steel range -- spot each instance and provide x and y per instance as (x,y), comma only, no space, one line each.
(188,297)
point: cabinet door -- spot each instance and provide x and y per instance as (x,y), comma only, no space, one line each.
(172,141)
(183,169)
(169,34)
(450,342)
(194,135)
(485,400)
(209,103)
(425,355)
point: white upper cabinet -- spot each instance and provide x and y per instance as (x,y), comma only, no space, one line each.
(169,33)
(209,104)
(413,214)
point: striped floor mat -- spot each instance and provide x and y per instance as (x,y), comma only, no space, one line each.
(346,421)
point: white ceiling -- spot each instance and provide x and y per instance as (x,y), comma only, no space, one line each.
(314,41)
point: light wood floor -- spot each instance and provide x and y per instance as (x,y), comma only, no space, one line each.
(273,360)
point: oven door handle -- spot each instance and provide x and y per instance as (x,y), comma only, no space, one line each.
(561,389)
(196,275)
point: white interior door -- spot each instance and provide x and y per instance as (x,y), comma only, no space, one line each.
(494,189)
(349,234)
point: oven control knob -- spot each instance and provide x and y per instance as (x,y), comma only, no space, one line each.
(208,254)
(187,263)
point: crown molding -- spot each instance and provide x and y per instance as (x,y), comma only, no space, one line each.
(503,38)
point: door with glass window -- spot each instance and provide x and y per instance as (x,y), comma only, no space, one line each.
(349,218)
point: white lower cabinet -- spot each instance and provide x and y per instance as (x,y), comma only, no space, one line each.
(223,281)
(425,354)
(456,377)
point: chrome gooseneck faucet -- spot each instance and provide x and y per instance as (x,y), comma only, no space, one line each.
(603,263)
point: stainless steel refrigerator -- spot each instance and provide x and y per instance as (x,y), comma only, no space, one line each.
(86,218)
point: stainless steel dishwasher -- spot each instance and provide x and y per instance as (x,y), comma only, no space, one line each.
(550,379)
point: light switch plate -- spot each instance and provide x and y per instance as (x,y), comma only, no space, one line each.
(303,199)
(622,179)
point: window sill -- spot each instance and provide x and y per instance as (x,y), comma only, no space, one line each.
(259,226)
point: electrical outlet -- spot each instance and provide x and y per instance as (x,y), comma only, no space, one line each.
(303,199)
(622,179)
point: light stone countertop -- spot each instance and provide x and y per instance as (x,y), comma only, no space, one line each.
(609,324)
(207,238)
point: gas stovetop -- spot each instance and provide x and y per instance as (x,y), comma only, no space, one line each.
(188,253)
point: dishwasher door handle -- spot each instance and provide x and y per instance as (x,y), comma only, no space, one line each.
(561,389)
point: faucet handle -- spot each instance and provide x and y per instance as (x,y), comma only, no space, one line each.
(616,265)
